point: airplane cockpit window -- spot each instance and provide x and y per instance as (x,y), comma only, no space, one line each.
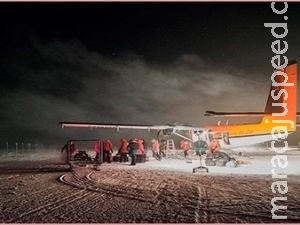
(167,131)
(198,132)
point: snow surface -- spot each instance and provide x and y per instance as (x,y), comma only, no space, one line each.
(153,192)
(258,162)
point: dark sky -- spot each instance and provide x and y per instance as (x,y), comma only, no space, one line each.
(152,63)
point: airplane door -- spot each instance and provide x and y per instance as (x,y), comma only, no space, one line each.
(209,136)
(225,137)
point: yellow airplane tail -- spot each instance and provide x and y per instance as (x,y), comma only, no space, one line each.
(282,101)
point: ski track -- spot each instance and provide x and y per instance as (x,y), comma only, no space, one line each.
(124,194)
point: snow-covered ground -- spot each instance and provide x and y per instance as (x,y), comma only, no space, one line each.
(260,165)
(255,161)
(153,192)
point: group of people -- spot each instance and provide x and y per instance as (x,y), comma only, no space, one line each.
(158,148)
(201,146)
(135,148)
(106,147)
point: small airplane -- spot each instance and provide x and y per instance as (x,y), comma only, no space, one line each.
(277,121)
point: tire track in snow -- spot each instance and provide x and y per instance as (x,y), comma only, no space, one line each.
(120,201)
(29,195)
(76,207)
(123,198)
(33,201)
(46,213)
(65,200)
(73,179)
(202,212)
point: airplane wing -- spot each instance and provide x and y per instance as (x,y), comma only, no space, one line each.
(233,114)
(131,126)
(236,114)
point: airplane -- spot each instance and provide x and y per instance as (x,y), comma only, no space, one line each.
(280,112)
(277,121)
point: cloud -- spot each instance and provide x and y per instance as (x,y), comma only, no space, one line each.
(64,81)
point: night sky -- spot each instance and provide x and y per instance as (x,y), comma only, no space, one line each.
(149,63)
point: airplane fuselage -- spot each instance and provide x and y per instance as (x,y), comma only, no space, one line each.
(233,136)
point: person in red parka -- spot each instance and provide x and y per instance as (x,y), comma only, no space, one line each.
(97,149)
(155,149)
(123,150)
(141,154)
(107,151)
(141,150)
(185,146)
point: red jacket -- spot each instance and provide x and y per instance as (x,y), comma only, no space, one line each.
(141,150)
(97,146)
(107,145)
(155,146)
(185,146)
(123,148)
